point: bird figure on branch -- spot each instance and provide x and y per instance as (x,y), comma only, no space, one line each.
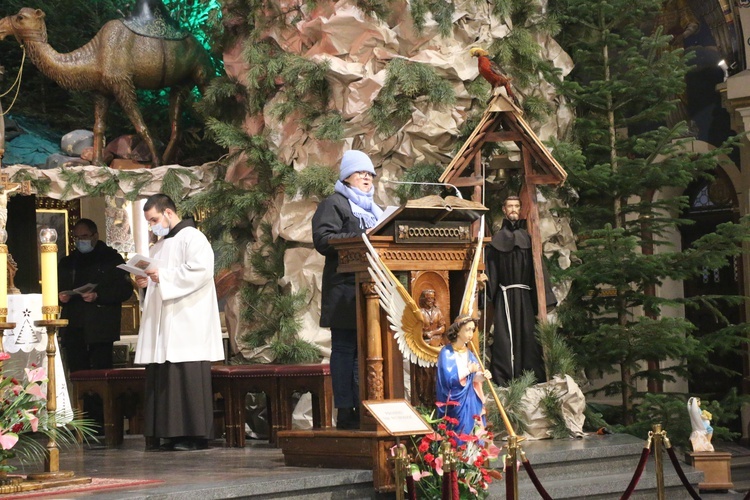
(492,73)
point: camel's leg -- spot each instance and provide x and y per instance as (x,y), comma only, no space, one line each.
(101,106)
(176,98)
(125,95)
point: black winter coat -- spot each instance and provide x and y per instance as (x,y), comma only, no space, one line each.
(100,320)
(334,220)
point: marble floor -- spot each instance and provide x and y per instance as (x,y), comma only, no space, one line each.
(258,471)
(217,472)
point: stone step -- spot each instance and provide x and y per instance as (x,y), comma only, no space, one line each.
(594,467)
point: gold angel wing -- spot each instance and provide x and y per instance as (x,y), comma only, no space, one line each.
(404,315)
(467,302)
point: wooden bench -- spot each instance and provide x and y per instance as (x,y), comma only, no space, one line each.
(113,386)
(234,382)
(278,383)
(315,379)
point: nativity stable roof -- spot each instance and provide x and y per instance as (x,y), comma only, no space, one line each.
(503,122)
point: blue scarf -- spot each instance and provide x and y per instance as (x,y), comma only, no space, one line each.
(361,203)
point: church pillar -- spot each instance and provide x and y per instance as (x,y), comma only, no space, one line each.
(737,102)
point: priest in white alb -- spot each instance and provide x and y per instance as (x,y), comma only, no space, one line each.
(180,332)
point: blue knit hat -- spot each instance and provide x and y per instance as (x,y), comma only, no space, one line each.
(355,161)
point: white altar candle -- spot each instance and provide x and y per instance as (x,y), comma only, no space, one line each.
(3,273)
(48,238)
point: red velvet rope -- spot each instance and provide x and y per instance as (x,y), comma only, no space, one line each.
(681,474)
(454,484)
(510,473)
(445,489)
(411,492)
(636,474)
(534,479)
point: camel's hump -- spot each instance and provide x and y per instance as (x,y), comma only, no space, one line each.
(154,21)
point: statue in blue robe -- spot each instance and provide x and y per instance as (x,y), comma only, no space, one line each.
(459,379)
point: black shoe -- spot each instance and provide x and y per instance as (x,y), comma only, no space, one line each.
(347,419)
(168,445)
(191,444)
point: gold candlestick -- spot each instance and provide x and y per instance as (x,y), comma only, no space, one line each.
(50,312)
(3,275)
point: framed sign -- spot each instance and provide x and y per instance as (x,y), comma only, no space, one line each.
(398,417)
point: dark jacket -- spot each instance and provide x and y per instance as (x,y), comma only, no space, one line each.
(100,320)
(334,220)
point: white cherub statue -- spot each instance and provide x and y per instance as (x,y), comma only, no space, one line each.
(702,432)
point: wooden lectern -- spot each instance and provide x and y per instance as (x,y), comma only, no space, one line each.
(428,243)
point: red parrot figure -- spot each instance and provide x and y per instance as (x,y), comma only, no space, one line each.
(491,72)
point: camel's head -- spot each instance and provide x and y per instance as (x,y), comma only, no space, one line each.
(27,26)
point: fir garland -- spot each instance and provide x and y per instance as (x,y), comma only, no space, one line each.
(108,182)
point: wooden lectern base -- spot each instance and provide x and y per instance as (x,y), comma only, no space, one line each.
(716,468)
(342,450)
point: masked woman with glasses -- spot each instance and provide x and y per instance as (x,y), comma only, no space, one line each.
(347,213)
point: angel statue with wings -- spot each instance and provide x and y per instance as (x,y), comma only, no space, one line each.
(459,372)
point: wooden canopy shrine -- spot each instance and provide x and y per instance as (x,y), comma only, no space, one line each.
(503,122)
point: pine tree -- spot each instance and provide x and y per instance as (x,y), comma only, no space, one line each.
(624,87)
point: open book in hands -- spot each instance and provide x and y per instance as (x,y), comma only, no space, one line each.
(139,264)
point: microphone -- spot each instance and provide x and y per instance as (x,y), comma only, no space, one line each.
(458,193)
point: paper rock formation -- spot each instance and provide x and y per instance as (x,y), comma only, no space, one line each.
(358,48)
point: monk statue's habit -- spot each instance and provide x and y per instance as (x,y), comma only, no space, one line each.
(512,289)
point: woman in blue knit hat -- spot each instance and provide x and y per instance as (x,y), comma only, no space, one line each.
(347,213)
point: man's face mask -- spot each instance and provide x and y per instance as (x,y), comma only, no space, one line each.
(160,230)
(84,246)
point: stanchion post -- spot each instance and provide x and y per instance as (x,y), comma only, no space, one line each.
(513,459)
(659,461)
(399,464)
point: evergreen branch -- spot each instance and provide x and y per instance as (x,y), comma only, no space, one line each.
(172,183)
(551,406)
(227,254)
(73,179)
(109,187)
(139,181)
(441,10)
(557,355)
(421,172)
(405,82)
(315,180)
(228,136)
(512,399)
(42,185)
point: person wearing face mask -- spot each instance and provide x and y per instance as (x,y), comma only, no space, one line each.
(93,317)
(512,289)
(347,213)
(180,332)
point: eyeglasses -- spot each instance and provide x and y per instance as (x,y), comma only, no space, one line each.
(83,236)
(364,174)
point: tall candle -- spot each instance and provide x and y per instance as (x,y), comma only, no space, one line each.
(48,238)
(3,273)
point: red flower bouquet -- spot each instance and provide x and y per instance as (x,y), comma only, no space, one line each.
(468,454)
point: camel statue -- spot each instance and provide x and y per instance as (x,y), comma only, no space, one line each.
(113,64)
